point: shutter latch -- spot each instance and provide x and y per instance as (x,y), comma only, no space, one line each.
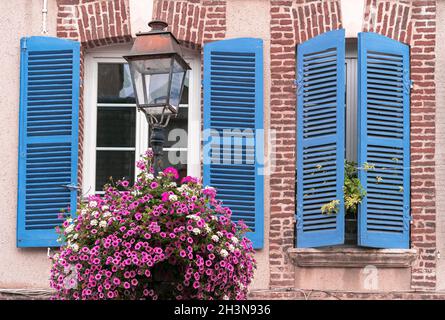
(71,187)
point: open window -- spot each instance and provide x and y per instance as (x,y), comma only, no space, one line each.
(353,104)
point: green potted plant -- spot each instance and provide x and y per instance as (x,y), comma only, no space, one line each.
(353,194)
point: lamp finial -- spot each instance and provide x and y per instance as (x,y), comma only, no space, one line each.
(157,25)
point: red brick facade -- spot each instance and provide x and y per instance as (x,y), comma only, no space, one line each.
(411,22)
(414,23)
(195,22)
(104,22)
(292,22)
(94,22)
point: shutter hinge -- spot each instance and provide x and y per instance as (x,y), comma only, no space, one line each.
(407,83)
(411,84)
(299,82)
(71,186)
(299,224)
(24,45)
(299,218)
(202,83)
(408,220)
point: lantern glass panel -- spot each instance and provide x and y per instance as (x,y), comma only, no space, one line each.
(151,80)
(176,83)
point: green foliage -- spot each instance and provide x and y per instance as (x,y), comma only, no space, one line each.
(330,207)
(352,189)
(367,166)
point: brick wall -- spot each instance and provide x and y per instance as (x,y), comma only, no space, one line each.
(411,22)
(440,141)
(414,23)
(194,22)
(390,18)
(94,22)
(292,22)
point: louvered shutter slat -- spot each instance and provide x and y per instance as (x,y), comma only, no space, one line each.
(233,104)
(320,138)
(48,137)
(384,141)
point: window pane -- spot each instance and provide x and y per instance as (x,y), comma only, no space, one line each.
(114,83)
(176,159)
(351,109)
(185,91)
(116,126)
(115,164)
(176,131)
(351,229)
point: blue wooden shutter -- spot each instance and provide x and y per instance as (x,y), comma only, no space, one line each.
(320,138)
(384,121)
(48,137)
(233,101)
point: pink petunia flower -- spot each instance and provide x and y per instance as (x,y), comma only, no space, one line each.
(171,172)
(154,185)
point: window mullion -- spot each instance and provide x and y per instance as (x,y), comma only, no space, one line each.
(90,97)
(194,121)
(141,138)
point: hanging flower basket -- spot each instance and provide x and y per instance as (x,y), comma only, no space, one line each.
(153,240)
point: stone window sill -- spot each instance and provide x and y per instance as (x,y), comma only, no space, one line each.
(352,257)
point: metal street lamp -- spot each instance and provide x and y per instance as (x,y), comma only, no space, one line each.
(158,73)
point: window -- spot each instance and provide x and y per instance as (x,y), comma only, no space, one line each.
(117,134)
(365,120)
(351,137)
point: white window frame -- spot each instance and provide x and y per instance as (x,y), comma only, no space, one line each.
(114,54)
